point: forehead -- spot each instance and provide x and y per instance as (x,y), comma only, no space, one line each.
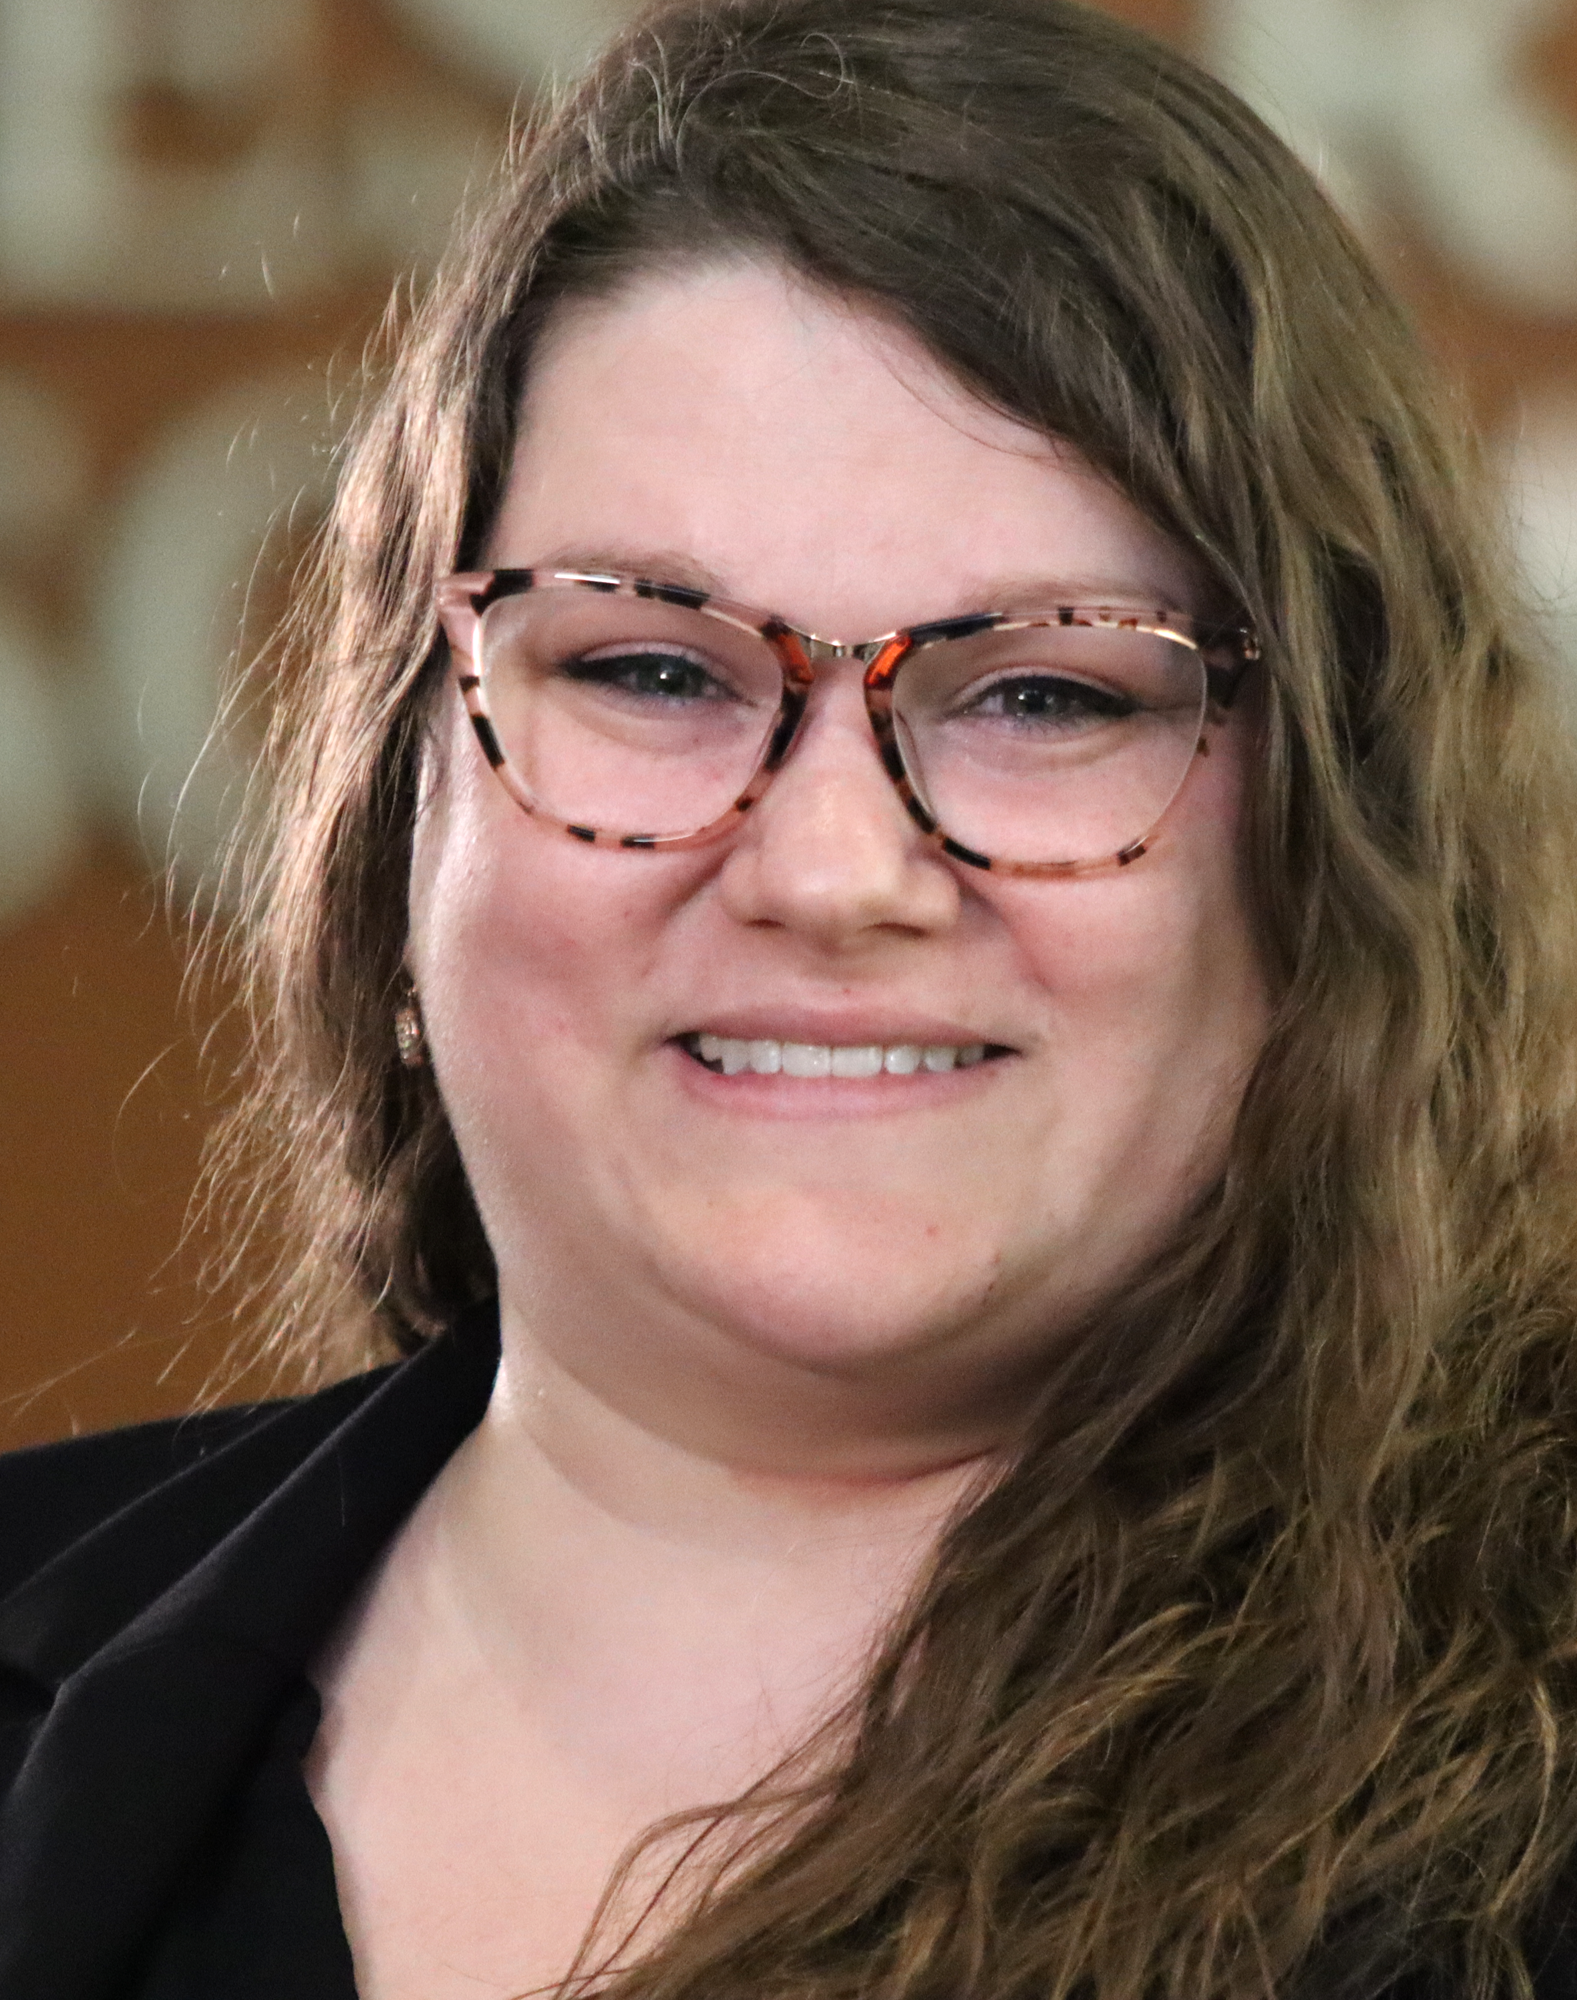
(800,451)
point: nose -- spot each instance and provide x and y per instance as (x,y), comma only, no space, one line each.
(829,850)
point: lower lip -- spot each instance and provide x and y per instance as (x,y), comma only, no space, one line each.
(831,1096)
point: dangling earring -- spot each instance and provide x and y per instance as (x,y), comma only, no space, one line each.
(408,1034)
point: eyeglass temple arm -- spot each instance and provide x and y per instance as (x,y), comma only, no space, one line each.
(1227,651)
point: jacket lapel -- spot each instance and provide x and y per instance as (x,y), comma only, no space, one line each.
(146,1665)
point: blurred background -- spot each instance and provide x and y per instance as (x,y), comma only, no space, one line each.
(204,207)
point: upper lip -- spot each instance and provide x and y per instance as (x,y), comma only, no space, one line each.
(844,1030)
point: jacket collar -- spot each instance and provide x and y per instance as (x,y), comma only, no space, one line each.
(162,1646)
(263,1540)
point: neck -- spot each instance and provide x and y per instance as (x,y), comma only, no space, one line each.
(564,1523)
(547,1428)
(599,1624)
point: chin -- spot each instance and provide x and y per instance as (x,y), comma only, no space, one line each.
(840,1300)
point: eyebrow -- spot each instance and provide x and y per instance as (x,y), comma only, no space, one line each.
(1002,593)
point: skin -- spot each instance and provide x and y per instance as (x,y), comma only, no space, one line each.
(760,1335)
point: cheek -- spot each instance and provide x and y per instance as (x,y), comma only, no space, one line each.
(1153,974)
(1182,906)
(497,951)
(521,943)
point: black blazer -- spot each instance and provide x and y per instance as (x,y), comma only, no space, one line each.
(162,1592)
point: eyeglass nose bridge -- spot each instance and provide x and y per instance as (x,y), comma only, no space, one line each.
(828,652)
(805,653)
(802,653)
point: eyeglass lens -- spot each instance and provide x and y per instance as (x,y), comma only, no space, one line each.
(1038,743)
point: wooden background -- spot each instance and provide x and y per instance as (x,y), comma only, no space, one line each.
(263,193)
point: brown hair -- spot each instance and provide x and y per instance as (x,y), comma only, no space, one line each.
(1255,1672)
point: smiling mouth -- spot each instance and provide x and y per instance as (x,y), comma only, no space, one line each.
(812,1060)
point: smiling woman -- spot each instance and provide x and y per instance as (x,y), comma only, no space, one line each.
(916,951)
(566,989)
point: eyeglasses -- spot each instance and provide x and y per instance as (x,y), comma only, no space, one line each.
(639,714)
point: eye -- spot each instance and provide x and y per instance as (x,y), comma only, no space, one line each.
(649,673)
(1046,699)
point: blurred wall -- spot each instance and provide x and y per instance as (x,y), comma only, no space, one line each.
(203,204)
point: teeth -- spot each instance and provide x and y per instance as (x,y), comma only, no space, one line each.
(816,1059)
(806,1059)
(857,1062)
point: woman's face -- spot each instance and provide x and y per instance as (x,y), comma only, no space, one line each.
(892,1255)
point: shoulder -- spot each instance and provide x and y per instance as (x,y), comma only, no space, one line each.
(53,1495)
(163,1591)
(255,1521)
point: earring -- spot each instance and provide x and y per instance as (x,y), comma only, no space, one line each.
(408,1035)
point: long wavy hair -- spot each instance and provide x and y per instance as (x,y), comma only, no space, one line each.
(1255,1673)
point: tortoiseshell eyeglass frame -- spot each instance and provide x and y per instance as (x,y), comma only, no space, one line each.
(1225,650)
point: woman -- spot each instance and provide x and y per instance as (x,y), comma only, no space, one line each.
(911,825)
